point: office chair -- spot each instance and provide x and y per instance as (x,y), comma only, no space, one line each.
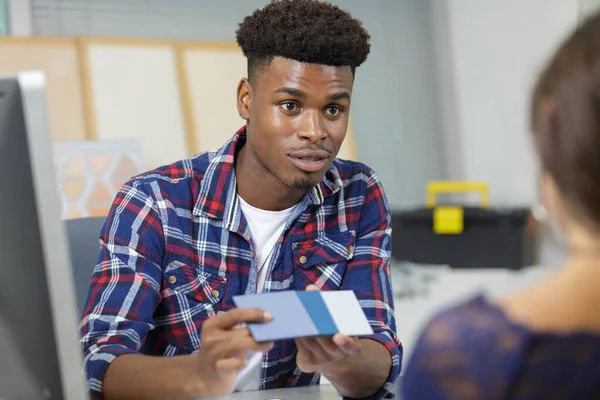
(83,235)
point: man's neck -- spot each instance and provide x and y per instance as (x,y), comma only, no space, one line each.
(259,187)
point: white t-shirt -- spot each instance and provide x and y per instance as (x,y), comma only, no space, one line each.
(266,227)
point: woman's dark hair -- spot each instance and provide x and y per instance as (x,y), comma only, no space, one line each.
(308,31)
(565,121)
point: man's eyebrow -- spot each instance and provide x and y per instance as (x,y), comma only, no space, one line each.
(292,91)
(339,96)
(302,94)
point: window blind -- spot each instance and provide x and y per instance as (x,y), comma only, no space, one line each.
(172,19)
(4,25)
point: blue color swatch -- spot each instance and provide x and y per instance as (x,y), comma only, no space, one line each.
(299,314)
(314,304)
(290,318)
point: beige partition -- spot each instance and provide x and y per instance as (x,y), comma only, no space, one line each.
(211,75)
(59,60)
(133,89)
(348,149)
(178,98)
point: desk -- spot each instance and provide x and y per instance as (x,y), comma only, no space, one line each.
(317,392)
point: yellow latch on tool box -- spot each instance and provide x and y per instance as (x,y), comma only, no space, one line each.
(449,220)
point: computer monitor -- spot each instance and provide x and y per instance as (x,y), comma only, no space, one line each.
(40,357)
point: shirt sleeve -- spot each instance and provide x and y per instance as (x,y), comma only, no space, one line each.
(368,275)
(125,285)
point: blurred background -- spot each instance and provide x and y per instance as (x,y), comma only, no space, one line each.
(134,84)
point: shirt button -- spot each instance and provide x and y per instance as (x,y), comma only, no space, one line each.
(351,249)
(172,279)
(214,293)
(303,259)
(252,254)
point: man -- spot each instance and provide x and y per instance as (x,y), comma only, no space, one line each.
(271,210)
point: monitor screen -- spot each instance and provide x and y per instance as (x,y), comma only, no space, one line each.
(39,349)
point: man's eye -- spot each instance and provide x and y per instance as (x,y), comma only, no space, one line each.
(333,110)
(289,106)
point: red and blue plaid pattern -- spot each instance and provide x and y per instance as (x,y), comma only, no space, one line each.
(176,248)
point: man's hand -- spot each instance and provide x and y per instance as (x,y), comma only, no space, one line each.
(224,350)
(317,354)
(211,372)
(356,367)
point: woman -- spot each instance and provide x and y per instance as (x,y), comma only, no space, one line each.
(544,342)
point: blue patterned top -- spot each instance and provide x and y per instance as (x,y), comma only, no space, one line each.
(474,351)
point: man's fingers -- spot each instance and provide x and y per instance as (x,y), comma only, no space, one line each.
(323,348)
(347,344)
(301,347)
(329,346)
(240,327)
(308,356)
(230,364)
(232,343)
(312,288)
(304,345)
(239,331)
(238,346)
(265,346)
(237,316)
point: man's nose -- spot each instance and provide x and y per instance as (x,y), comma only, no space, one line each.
(311,128)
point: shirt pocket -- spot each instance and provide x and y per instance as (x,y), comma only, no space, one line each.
(194,283)
(322,261)
(190,296)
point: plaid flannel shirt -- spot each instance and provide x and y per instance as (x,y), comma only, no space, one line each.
(175,248)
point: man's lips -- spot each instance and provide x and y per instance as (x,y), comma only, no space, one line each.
(309,160)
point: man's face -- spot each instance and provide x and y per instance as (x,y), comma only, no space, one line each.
(297,115)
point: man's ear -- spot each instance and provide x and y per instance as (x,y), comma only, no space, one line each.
(244,98)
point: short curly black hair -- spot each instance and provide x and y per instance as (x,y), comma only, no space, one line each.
(309,31)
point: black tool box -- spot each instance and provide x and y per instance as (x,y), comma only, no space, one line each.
(464,236)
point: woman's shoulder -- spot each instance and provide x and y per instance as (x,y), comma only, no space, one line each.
(475,350)
(470,349)
(474,325)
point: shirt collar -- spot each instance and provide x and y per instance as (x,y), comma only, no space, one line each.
(217,193)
